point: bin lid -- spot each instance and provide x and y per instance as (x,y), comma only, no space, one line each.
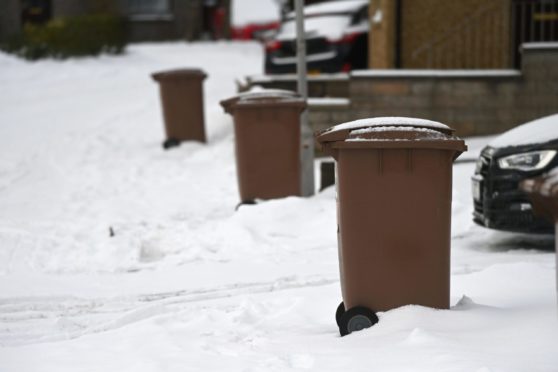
(392,132)
(179,74)
(263,97)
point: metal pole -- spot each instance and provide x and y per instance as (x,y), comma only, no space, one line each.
(307,136)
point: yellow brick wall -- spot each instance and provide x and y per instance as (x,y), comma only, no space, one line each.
(442,34)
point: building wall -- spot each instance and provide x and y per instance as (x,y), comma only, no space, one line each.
(471,105)
(10,23)
(188,16)
(474,102)
(64,8)
(185,21)
(152,30)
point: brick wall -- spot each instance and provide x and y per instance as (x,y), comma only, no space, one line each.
(321,115)
(472,102)
(332,85)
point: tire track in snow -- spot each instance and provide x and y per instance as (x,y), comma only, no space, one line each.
(36,320)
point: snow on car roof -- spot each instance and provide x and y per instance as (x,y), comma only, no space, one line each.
(329,26)
(332,7)
(536,131)
(329,19)
(245,12)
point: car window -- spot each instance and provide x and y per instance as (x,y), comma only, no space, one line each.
(331,27)
(360,16)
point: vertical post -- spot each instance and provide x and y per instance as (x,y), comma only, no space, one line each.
(532,23)
(307,137)
(552,11)
(398,30)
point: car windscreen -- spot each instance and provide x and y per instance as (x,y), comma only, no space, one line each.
(328,26)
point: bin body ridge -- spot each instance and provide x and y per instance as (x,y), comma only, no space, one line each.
(271,137)
(267,143)
(389,255)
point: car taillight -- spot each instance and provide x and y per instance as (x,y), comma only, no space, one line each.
(346,67)
(272,46)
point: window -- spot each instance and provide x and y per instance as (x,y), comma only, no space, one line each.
(147,7)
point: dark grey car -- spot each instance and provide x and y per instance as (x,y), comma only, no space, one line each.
(523,152)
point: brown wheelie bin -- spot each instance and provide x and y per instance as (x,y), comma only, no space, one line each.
(543,192)
(267,143)
(182,100)
(394,186)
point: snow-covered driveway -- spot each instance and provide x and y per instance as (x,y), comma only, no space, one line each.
(186,283)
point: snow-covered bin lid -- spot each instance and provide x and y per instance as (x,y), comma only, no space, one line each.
(260,96)
(396,133)
(268,94)
(179,74)
(343,131)
(543,191)
(391,132)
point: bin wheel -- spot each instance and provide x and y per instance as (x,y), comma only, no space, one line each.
(170,143)
(245,202)
(339,313)
(356,319)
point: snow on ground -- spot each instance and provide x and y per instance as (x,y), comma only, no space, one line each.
(187,283)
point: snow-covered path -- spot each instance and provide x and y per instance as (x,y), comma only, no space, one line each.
(186,283)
